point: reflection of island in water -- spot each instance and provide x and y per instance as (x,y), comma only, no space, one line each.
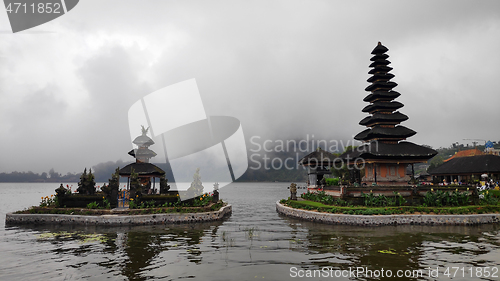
(266,248)
(405,247)
(132,249)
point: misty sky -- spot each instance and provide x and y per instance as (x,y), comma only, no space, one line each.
(285,69)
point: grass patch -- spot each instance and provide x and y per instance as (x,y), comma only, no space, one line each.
(362,210)
(98,212)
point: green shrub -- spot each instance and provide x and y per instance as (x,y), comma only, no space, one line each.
(93,205)
(132,204)
(488,198)
(440,198)
(332,181)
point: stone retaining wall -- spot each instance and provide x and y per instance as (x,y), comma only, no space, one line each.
(168,218)
(379,220)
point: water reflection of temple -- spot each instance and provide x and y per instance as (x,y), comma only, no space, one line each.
(405,247)
(133,252)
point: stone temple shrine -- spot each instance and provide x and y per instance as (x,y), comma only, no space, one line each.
(146,171)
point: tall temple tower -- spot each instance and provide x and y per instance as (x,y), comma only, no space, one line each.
(385,153)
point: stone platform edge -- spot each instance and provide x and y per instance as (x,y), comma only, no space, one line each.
(380,220)
(149,219)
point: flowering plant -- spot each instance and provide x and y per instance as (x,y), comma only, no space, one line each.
(49,201)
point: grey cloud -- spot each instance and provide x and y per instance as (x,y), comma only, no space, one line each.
(285,69)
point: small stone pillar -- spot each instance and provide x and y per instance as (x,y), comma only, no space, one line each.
(293,191)
(215,197)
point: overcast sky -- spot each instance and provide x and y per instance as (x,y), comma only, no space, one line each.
(285,69)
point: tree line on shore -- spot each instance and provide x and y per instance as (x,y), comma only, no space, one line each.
(255,173)
(103,172)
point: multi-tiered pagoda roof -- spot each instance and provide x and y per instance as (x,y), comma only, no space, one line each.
(383,123)
(142,154)
(384,136)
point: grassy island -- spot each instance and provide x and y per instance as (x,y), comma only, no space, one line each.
(435,202)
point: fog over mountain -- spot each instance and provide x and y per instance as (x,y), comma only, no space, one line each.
(288,70)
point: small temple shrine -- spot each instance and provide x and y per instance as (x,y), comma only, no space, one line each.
(146,171)
(318,165)
(385,152)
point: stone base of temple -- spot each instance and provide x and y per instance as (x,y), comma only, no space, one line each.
(387,180)
(149,219)
(364,220)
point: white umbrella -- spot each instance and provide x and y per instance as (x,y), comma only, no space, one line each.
(484,175)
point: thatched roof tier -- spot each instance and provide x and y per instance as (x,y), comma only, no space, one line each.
(384,119)
(379,57)
(379,49)
(382,106)
(381,85)
(143,140)
(382,96)
(402,152)
(381,69)
(385,133)
(380,77)
(480,164)
(143,169)
(379,62)
(319,157)
(142,153)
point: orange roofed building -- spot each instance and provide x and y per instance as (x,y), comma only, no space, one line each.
(466,153)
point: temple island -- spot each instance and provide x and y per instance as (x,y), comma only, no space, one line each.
(139,203)
(379,177)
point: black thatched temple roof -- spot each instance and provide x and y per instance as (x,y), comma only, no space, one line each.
(398,151)
(383,123)
(379,57)
(143,140)
(380,77)
(142,152)
(318,157)
(379,49)
(381,95)
(379,118)
(382,106)
(143,169)
(380,69)
(381,85)
(479,164)
(384,133)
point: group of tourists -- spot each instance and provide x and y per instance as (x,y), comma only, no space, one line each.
(488,185)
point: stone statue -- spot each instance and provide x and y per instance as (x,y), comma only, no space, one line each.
(215,197)
(144,130)
(196,188)
(293,191)
(111,190)
(164,186)
(61,191)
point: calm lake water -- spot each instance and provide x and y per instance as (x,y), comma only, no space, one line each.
(255,243)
